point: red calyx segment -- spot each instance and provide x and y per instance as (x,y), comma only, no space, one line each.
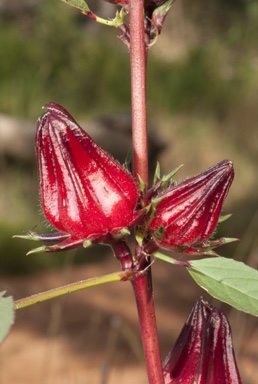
(189,212)
(203,352)
(84,191)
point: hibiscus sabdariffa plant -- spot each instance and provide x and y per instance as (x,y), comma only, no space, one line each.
(88,198)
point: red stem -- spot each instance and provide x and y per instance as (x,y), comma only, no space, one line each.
(143,291)
(138,58)
(142,283)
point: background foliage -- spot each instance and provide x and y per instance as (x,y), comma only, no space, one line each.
(202,98)
(202,94)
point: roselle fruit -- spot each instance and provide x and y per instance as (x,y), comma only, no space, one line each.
(85,194)
(203,352)
(186,215)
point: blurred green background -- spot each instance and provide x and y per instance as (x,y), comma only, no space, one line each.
(202,101)
(202,108)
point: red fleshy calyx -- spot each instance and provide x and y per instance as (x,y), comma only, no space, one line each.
(203,353)
(186,215)
(85,193)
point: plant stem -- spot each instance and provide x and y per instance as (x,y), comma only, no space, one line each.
(143,291)
(138,61)
(142,282)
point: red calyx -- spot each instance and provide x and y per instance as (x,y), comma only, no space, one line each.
(203,352)
(84,191)
(188,213)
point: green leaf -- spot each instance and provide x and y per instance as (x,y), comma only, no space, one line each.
(163,9)
(6,315)
(160,13)
(84,8)
(230,281)
(80,4)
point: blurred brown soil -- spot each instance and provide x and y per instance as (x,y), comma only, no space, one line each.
(92,336)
